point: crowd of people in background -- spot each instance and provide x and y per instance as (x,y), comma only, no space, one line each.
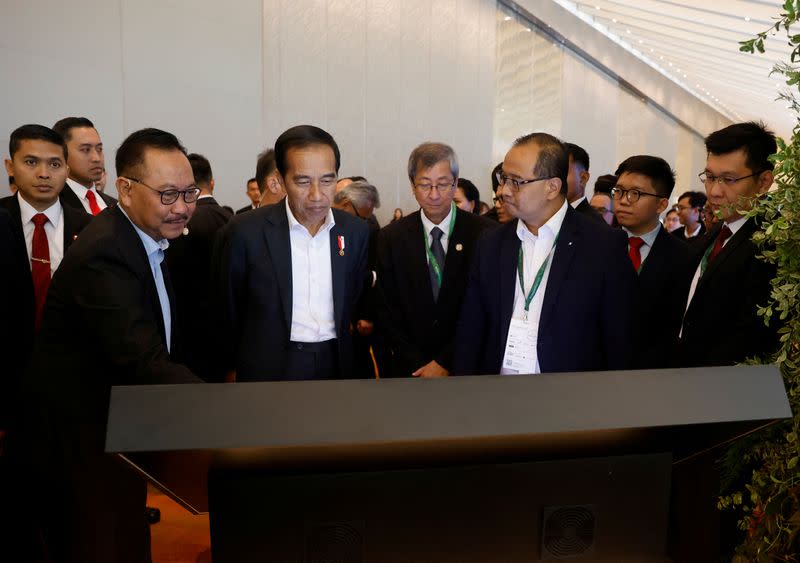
(165,285)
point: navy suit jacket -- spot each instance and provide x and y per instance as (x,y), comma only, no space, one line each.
(586,320)
(256,276)
(661,301)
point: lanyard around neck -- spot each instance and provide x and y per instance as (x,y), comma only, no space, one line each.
(537,281)
(437,270)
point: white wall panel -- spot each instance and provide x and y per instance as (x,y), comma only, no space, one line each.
(193,67)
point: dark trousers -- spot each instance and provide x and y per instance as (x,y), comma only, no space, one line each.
(312,360)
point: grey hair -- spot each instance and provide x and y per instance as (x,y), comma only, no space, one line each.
(428,154)
(360,194)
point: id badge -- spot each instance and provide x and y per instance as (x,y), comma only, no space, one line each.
(520,354)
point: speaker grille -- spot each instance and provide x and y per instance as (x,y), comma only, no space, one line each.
(334,542)
(568,531)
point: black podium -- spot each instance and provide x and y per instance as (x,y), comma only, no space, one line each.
(496,468)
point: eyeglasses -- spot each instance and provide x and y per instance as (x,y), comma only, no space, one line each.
(631,195)
(515,183)
(709,178)
(168,197)
(683,208)
(442,187)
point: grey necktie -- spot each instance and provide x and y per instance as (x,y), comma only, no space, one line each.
(438,253)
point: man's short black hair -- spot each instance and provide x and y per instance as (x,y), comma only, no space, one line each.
(130,154)
(553,161)
(66,125)
(265,165)
(657,169)
(302,136)
(495,171)
(252,180)
(34,132)
(201,168)
(578,154)
(355,179)
(604,184)
(471,192)
(757,141)
(696,199)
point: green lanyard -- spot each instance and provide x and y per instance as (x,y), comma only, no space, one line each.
(537,280)
(704,261)
(437,271)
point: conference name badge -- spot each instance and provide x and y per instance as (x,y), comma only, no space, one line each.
(520,354)
(340,239)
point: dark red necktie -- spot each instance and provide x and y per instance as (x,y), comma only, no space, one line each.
(92,202)
(723,235)
(40,264)
(634,244)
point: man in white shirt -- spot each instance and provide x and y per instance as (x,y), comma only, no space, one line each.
(292,272)
(543,292)
(690,206)
(86,162)
(577,179)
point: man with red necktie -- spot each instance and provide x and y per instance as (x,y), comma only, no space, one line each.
(86,162)
(727,281)
(641,194)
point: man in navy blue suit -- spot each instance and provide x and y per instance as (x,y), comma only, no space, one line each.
(552,291)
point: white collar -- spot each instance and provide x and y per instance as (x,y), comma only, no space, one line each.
(444,225)
(79,189)
(577,202)
(693,234)
(151,245)
(736,225)
(649,237)
(294,223)
(552,226)
(26,211)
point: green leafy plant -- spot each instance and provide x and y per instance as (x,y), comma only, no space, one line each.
(769,505)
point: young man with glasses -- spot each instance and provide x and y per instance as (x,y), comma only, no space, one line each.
(109,320)
(641,194)
(423,261)
(690,208)
(728,282)
(552,291)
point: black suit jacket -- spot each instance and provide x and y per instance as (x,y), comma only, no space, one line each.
(416,329)
(244,209)
(680,234)
(189,261)
(586,321)
(102,326)
(586,209)
(256,277)
(721,326)
(69,199)
(22,317)
(660,303)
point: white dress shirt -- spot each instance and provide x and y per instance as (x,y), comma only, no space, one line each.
(80,191)
(54,229)
(444,226)
(734,227)
(535,249)
(312,281)
(696,232)
(649,238)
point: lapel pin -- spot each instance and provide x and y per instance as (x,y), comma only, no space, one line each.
(459,247)
(74,237)
(570,243)
(340,240)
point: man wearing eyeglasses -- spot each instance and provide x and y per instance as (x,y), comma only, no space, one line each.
(641,194)
(544,292)
(109,320)
(728,282)
(423,261)
(690,208)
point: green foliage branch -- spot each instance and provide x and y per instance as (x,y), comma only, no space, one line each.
(769,506)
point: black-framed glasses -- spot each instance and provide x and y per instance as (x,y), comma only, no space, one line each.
(631,195)
(515,183)
(440,187)
(168,197)
(708,178)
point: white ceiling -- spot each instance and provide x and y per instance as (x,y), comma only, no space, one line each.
(696,43)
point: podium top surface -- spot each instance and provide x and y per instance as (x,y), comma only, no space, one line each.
(323,414)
